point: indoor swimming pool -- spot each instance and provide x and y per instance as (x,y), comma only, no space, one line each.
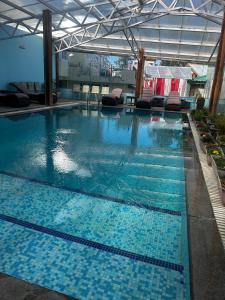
(92,203)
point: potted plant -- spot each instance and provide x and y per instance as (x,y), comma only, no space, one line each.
(220,123)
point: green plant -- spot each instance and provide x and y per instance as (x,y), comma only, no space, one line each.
(200,103)
(193,112)
(220,123)
(221,139)
(202,127)
(220,162)
(206,112)
(214,150)
(212,117)
(207,138)
(199,114)
(222,180)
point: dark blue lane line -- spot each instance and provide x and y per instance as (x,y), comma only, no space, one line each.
(88,243)
(96,195)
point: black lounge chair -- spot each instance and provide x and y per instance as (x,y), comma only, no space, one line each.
(173,102)
(113,99)
(158,101)
(11,99)
(31,89)
(145,101)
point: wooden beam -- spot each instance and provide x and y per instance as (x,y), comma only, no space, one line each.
(219,71)
(140,73)
(47,43)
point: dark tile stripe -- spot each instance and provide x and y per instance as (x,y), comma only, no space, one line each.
(96,195)
(79,240)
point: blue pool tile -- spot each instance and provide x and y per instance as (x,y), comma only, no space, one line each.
(145,232)
(81,271)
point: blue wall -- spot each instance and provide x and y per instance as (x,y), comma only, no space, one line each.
(18,64)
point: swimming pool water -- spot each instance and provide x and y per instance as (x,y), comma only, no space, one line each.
(92,203)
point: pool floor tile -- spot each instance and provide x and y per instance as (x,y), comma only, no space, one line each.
(83,272)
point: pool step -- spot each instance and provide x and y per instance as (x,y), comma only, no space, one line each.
(155,159)
(121,185)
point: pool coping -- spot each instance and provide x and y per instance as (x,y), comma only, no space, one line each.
(37,109)
(77,103)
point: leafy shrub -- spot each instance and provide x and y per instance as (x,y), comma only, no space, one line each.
(199,114)
(200,103)
(212,117)
(222,139)
(220,123)
(202,126)
(207,138)
(193,112)
(214,150)
(222,180)
(220,162)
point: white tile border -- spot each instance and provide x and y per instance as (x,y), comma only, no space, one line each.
(211,184)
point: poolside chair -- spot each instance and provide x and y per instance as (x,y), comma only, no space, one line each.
(86,91)
(76,90)
(105,90)
(113,99)
(145,101)
(30,90)
(11,99)
(95,91)
(173,102)
(158,101)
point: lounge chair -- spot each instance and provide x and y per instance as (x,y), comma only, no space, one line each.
(113,99)
(158,101)
(173,102)
(145,101)
(10,99)
(30,89)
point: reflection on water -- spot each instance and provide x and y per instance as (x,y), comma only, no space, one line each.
(97,150)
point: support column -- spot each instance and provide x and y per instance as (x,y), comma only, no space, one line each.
(140,73)
(47,41)
(219,71)
(57,73)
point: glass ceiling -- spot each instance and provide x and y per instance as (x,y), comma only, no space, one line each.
(186,30)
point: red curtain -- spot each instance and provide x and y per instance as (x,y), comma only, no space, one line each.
(160,86)
(175,85)
(148,83)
